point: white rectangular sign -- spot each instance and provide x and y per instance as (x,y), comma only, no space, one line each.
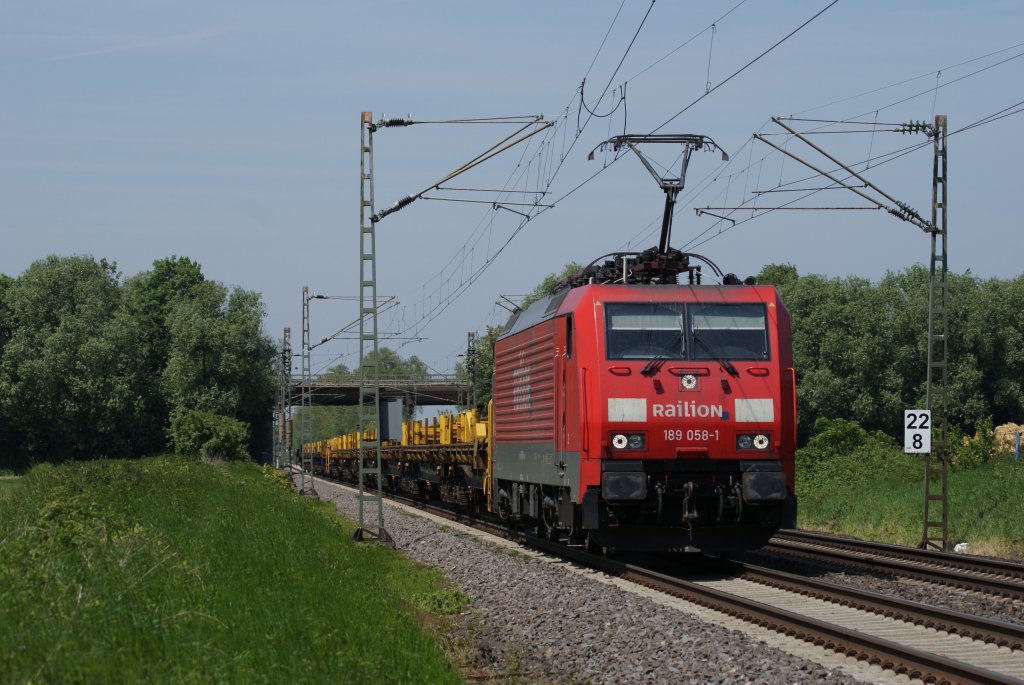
(917,431)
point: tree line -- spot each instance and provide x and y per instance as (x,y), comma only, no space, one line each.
(860,348)
(94,364)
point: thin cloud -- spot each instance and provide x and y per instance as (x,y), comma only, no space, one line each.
(145,43)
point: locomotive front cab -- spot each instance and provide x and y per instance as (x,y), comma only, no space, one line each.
(696,449)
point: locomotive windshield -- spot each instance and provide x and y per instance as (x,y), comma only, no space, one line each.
(645,330)
(729,331)
(668,330)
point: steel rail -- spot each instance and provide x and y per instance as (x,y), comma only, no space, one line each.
(915,663)
(890,655)
(989,630)
(978,576)
(1006,567)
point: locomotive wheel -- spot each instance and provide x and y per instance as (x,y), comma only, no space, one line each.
(545,531)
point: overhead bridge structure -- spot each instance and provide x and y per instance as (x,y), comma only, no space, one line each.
(423,390)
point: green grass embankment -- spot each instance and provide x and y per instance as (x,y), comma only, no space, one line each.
(8,487)
(171,571)
(861,484)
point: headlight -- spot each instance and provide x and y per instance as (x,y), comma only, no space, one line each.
(632,441)
(755,441)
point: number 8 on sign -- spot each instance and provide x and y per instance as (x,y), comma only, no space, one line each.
(917,431)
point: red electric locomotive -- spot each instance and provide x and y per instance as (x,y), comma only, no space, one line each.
(646,415)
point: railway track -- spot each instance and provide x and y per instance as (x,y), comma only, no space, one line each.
(814,611)
(989,631)
(991,576)
(923,642)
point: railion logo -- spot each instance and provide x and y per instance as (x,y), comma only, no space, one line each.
(688,410)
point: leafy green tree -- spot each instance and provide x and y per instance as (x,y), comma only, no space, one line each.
(150,297)
(390,363)
(551,284)
(479,373)
(987,349)
(856,346)
(779,275)
(860,348)
(71,381)
(6,320)
(7,433)
(91,366)
(219,361)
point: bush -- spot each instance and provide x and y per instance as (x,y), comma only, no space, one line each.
(280,478)
(965,452)
(842,452)
(196,433)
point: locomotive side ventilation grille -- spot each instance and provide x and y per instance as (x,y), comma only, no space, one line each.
(524,393)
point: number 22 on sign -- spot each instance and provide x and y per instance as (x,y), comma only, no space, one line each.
(917,431)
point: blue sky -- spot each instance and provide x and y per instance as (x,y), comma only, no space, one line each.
(228,132)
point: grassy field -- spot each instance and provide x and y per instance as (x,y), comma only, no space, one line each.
(879,496)
(171,571)
(8,487)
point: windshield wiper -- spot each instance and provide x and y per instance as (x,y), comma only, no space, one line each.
(726,364)
(653,366)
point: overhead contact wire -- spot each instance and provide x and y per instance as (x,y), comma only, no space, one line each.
(886,158)
(744,67)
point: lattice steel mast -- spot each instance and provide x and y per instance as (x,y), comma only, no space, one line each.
(283,405)
(276,423)
(287,355)
(936,523)
(306,479)
(369,372)
(935,528)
